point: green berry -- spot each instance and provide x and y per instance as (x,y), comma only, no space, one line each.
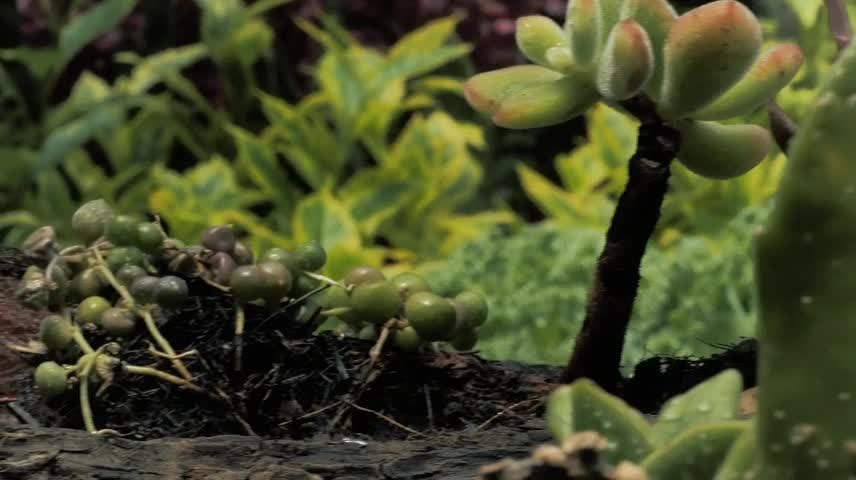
(376,302)
(122,230)
(170,292)
(410,283)
(143,289)
(368,332)
(219,238)
(150,237)
(118,322)
(311,255)
(90,220)
(276,281)
(407,339)
(51,379)
(91,309)
(432,316)
(364,274)
(465,339)
(56,332)
(337,297)
(302,286)
(242,254)
(246,283)
(121,256)
(88,283)
(474,307)
(222,265)
(128,273)
(291,261)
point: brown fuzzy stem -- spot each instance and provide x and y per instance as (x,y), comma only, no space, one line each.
(598,347)
(782,126)
(839,22)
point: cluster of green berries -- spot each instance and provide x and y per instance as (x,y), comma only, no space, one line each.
(125,268)
(369,301)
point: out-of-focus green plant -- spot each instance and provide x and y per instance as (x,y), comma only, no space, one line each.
(694,294)
(101,140)
(594,174)
(411,182)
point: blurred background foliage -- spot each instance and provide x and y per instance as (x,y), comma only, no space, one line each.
(343,121)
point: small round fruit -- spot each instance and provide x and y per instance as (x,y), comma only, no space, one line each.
(302,286)
(51,379)
(432,316)
(464,339)
(291,261)
(337,297)
(89,221)
(121,230)
(376,302)
(410,283)
(121,256)
(246,283)
(276,281)
(128,273)
(474,306)
(56,332)
(91,309)
(222,266)
(87,283)
(311,255)
(119,322)
(219,238)
(242,254)
(170,292)
(143,289)
(407,339)
(149,237)
(361,275)
(368,332)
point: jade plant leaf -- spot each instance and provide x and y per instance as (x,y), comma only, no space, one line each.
(714,150)
(583,406)
(583,23)
(707,51)
(627,63)
(774,69)
(715,399)
(536,34)
(656,17)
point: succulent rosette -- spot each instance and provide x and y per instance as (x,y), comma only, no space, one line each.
(699,68)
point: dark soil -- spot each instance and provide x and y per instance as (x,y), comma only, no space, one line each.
(304,387)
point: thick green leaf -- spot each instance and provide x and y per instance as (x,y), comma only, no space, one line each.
(72,135)
(153,69)
(260,164)
(85,28)
(323,218)
(373,197)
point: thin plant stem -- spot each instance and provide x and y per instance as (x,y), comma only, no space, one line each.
(77,335)
(143,313)
(240,321)
(153,372)
(85,406)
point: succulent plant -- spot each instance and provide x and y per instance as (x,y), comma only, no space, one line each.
(698,68)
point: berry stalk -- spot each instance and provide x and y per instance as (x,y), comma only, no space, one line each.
(600,342)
